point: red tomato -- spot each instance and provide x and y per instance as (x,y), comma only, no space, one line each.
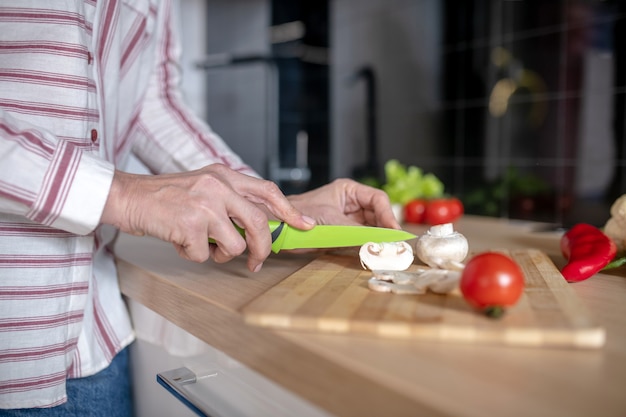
(492,281)
(443,210)
(414,211)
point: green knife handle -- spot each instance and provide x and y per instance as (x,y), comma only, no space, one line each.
(276,228)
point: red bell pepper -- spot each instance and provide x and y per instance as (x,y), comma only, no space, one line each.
(587,250)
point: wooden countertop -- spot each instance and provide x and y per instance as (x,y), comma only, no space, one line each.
(361,376)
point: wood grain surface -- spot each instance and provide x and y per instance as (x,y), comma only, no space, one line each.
(330,295)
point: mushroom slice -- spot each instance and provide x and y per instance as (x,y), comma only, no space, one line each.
(446,283)
(397,277)
(447,264)
(396,256)
(385,286)
(430,278)
(441,281)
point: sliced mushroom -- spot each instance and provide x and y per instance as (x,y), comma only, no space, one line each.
(396,256)
(380,285)
(397,277)
(440,281)
(447,283)
(441,248)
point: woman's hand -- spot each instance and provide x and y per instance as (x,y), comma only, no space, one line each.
(345,201)
(187,209)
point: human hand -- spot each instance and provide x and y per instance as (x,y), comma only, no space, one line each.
(345,201)
(188,208)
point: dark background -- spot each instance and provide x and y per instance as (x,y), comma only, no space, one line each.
(546,43)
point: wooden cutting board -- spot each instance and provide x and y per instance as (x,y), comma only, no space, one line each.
(330,294)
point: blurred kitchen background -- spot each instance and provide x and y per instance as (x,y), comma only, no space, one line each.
(517,105)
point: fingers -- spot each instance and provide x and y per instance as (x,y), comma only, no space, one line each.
(269,195)
(346,201)
(379,208)
(257,236)
(243,209)
(228,241)
(193,228)
(370,205)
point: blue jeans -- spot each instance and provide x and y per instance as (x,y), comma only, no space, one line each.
(105,394)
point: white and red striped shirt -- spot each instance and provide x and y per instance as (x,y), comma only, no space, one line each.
(82,84)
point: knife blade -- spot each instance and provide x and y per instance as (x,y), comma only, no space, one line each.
(329,236)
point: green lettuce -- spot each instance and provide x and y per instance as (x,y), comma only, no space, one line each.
(404,184)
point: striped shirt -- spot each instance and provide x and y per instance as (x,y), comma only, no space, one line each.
(82,85)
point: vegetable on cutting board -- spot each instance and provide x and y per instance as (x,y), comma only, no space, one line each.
(442,247)
(587,250)
(492,282)
(396,256)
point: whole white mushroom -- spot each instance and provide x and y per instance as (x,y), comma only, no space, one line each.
(442,247)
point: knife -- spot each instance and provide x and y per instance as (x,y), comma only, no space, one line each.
(328,236)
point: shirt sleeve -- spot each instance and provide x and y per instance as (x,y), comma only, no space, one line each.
(171,137)
(49,181)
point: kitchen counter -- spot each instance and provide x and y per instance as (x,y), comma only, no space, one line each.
(350,375)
